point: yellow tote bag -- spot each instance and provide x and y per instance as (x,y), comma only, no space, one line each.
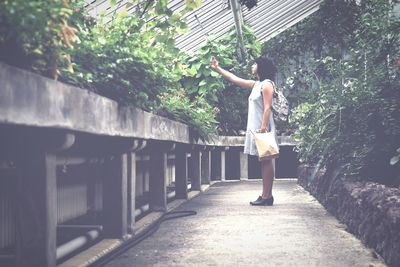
(267,147)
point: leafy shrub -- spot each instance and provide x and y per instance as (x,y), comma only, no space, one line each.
(34,33)
(350,121)
(201,80)
(131,58)
(197,113)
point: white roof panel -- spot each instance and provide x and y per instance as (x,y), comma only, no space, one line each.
(215,18)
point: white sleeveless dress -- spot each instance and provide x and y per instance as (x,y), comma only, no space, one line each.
(254,117)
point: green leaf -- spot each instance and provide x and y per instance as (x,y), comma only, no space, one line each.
(215,74)
(113,3)
(202,83)
(192,4)
(123,13)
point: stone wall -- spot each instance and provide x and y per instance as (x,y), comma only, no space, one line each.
(370,211)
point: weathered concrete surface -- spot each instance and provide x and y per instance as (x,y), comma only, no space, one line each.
(32,100)
(227,231)
(232,141)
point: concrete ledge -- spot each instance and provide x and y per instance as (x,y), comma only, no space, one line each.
(238,141)
(228,141)
(29,99)
(32,100)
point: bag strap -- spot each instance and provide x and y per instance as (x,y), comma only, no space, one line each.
(268,80)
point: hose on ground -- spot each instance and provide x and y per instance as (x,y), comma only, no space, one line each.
(142,236)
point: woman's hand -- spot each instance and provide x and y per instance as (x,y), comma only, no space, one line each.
(214,63)
(261,130)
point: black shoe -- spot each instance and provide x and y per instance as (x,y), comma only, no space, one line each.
(263,202)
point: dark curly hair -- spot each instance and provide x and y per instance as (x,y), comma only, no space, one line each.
(265,68)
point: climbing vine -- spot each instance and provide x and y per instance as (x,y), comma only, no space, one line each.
(201,80)
(341,68)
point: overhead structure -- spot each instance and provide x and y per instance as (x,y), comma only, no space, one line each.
(238,18)
(215,18)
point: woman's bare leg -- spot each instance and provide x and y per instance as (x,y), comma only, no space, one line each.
(267,173)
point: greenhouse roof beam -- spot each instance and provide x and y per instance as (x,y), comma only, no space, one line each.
(215,18)
(238,18)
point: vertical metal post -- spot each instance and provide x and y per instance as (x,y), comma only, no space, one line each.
(238,17)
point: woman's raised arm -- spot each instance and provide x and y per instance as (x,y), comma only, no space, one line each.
(247,84)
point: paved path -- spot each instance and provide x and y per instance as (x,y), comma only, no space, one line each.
(227,231)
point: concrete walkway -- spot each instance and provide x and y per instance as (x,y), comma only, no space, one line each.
(227,231)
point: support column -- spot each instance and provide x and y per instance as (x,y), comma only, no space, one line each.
(205,166)
(244,167)
(181,172)
(36,214)
(216,165)
(35,151)
(254,167)
(223,165)
(95,186)
(115,196)
(158,170)
(195,170)
(131,188)
(233,164)
(131,183)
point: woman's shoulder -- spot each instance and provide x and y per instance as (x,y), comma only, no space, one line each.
(267,83)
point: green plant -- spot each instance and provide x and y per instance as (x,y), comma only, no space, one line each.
(131,58)
(201,80)
(34,33)
(350,120)
(326,33)
(197,113)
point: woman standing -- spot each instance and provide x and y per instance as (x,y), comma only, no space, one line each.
(260,118)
